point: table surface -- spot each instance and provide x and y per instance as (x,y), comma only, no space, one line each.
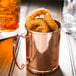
(67,61)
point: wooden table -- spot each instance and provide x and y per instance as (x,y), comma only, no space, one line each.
(67,61)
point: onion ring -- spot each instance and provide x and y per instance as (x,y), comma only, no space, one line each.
(48,19)
(40,22)
(37,12)
(39,29)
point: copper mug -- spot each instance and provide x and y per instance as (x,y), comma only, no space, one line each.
(42,51)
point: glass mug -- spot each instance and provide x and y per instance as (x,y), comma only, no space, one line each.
(9,15)
(42,51)
(69,16)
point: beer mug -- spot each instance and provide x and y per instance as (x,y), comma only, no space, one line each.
(42,51)
(9,15)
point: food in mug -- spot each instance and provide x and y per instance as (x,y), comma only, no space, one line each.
(39,22)
(45,24)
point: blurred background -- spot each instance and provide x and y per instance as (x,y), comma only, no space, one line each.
(42,0)
(60,2)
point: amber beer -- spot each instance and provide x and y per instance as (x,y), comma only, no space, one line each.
(6,55)
(9,15)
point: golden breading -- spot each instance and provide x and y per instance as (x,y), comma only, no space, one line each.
(48,19)
(36,13)
(39,22)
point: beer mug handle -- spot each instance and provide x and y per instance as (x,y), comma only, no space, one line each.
(16,50)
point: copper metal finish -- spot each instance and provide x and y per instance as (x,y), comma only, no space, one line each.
(43,51)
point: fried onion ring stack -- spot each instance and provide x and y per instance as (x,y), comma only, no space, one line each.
(45,24)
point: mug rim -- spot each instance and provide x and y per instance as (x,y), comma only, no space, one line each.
(59,24)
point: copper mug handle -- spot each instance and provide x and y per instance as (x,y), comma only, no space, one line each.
(16,51)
